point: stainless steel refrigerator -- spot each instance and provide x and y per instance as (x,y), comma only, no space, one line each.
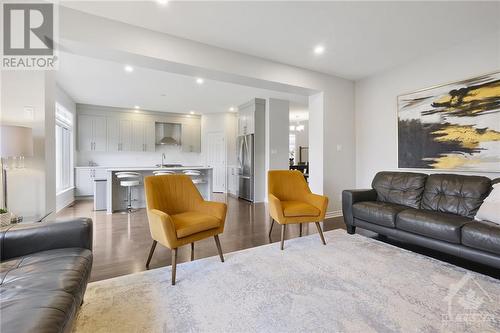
(246,167)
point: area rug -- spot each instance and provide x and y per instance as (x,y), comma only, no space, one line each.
(353,284)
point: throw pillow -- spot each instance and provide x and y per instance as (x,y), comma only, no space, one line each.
(490,209)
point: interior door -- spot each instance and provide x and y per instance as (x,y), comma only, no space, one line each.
(216,158)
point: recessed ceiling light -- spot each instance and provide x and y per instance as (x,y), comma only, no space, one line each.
(137,107)
(128,68)
(320,49)
(231,109)
(191,112)
(162,2)
(200,80)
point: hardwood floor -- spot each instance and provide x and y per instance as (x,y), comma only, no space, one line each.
(122,241)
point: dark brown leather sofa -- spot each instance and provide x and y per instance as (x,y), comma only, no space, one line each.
(434,211)
(43,272)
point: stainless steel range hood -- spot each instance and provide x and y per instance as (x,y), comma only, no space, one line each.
(168,134)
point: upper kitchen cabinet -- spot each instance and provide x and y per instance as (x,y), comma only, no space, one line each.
(143,136)
(119,134)
(92,133)
(191,135)
(246,115)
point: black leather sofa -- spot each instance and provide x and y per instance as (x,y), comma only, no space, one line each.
(434,211)
(44,272)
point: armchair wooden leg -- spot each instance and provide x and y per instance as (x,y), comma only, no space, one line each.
(320,233)
(300,229)
(217,242)
(192,251)
(174,265)
(283,228)
(151,253)
(271,229)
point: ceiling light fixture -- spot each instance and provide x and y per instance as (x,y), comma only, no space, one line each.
(320,49)
(162,2)
(137,107)
(200,80)
(128,69)
(191,112)
(231,109)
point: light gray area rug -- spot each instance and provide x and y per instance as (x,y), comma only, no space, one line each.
(353,284)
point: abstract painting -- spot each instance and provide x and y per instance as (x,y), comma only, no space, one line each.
(451,127)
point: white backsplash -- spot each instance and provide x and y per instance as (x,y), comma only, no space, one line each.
(173,155)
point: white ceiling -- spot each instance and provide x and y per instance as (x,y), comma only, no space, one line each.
(99,82)
(360,38)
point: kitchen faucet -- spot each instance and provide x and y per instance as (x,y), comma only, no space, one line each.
(162,159)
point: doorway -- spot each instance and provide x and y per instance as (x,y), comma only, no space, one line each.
(216,159)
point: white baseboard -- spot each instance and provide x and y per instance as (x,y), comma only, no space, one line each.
(332,214)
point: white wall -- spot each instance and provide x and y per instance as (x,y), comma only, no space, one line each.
(376,107)
(277,134)
(331,98)
(66,197)
(31,190)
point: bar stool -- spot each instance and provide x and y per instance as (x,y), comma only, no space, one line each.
(163,172)
(128,180)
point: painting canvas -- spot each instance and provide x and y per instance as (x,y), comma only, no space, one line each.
(451,127)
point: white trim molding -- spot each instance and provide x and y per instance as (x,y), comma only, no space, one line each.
(332,214)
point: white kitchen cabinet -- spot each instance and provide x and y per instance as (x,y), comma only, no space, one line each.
(246,121)
(84,180)
(119,134)
(191,136)
(92,133)
(143,136)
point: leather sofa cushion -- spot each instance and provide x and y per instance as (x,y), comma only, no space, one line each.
(298,208)
(40,292)
(437,225)
(190,223)
(455,194)
(381,213)
(29,311)
(402,188)
(482,235)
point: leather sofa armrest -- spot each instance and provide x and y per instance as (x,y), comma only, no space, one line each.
(350,197)
(23,239)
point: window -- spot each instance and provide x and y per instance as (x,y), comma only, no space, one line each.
(64,148)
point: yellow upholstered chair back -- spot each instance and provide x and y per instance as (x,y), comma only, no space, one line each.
(172,194)
(287,185)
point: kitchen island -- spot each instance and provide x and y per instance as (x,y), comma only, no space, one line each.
(117,194)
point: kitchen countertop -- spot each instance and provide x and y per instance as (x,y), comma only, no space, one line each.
(158,168)
(144,168)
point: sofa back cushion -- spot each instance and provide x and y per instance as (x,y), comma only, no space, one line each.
(456,194)
(402,188)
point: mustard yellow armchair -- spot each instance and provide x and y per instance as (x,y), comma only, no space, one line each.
(291,201)
(178,215)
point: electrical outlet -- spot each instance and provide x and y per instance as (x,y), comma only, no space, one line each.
(29,113)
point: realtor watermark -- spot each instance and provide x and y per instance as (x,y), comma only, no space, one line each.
(469,305)
(28,36)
